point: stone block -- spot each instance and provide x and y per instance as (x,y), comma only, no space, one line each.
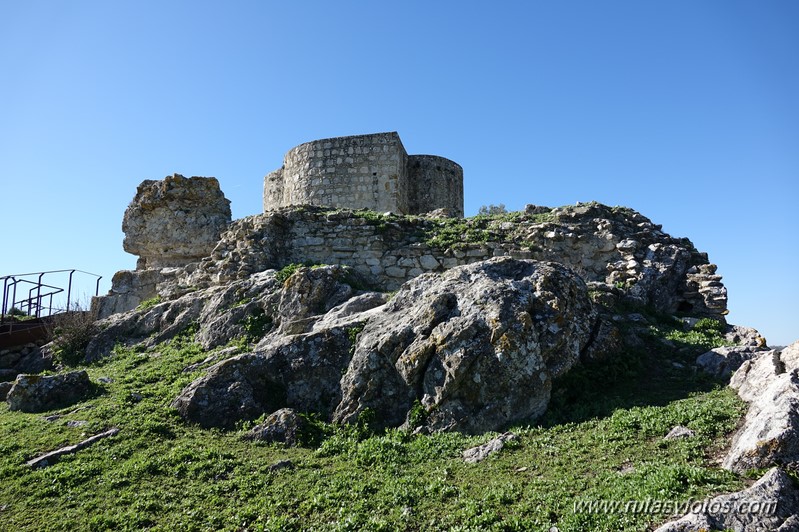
(428,262)
(394,271)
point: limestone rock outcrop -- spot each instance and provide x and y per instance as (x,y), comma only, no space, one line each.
(619,252)
(724,361)
(770,432)
(478,346)
(38,393)
(175,221)
(771,504)
(479,453)
(618,248)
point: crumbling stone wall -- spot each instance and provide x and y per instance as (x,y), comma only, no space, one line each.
(175,226)
(617,251)
(175,221)
(365,172)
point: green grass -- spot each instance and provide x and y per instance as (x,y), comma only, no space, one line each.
(163,474)
(459,233)
(149,303)
(287,271)
(256,325)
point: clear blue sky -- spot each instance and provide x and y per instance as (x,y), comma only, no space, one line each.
(686,110)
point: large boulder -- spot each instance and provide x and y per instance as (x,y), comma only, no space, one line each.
(770,431)
(234,389)
(175,221)
(478,346)
(300,371)
(37,393)
(290,367)
(724,361)
(772,503)
(311,292)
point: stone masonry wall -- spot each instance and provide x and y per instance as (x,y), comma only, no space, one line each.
(618,252)
(364,172)
(175,221)
(614,250)
(435,183)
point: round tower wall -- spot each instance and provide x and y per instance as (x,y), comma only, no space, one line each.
(364,171)
(434,183)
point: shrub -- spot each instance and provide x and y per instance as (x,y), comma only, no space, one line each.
(72,331)
(493,209)
(418,415)
(352,335)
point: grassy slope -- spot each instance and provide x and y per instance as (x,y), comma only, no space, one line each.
(596,443)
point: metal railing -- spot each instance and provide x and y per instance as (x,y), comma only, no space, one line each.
(38,301)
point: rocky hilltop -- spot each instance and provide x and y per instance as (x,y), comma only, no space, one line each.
(467,321)
(426,323)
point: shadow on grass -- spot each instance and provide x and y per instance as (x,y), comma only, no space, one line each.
(654,374)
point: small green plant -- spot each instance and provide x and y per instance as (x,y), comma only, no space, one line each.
(287,271)
(241,302)
(149,303)
(375,218)
(256,324)
(705,335)
(366,424)
(457,234)
(417,415)
(314,430)
(352,335)
(543,217)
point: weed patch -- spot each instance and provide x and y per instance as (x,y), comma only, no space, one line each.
(149,303)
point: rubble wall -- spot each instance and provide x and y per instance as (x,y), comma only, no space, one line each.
(618,252)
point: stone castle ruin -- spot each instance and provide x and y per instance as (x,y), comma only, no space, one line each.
(174,221)
(181,229)
(335,302)
(365,172)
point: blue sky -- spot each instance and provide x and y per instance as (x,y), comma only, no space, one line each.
(687,111)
